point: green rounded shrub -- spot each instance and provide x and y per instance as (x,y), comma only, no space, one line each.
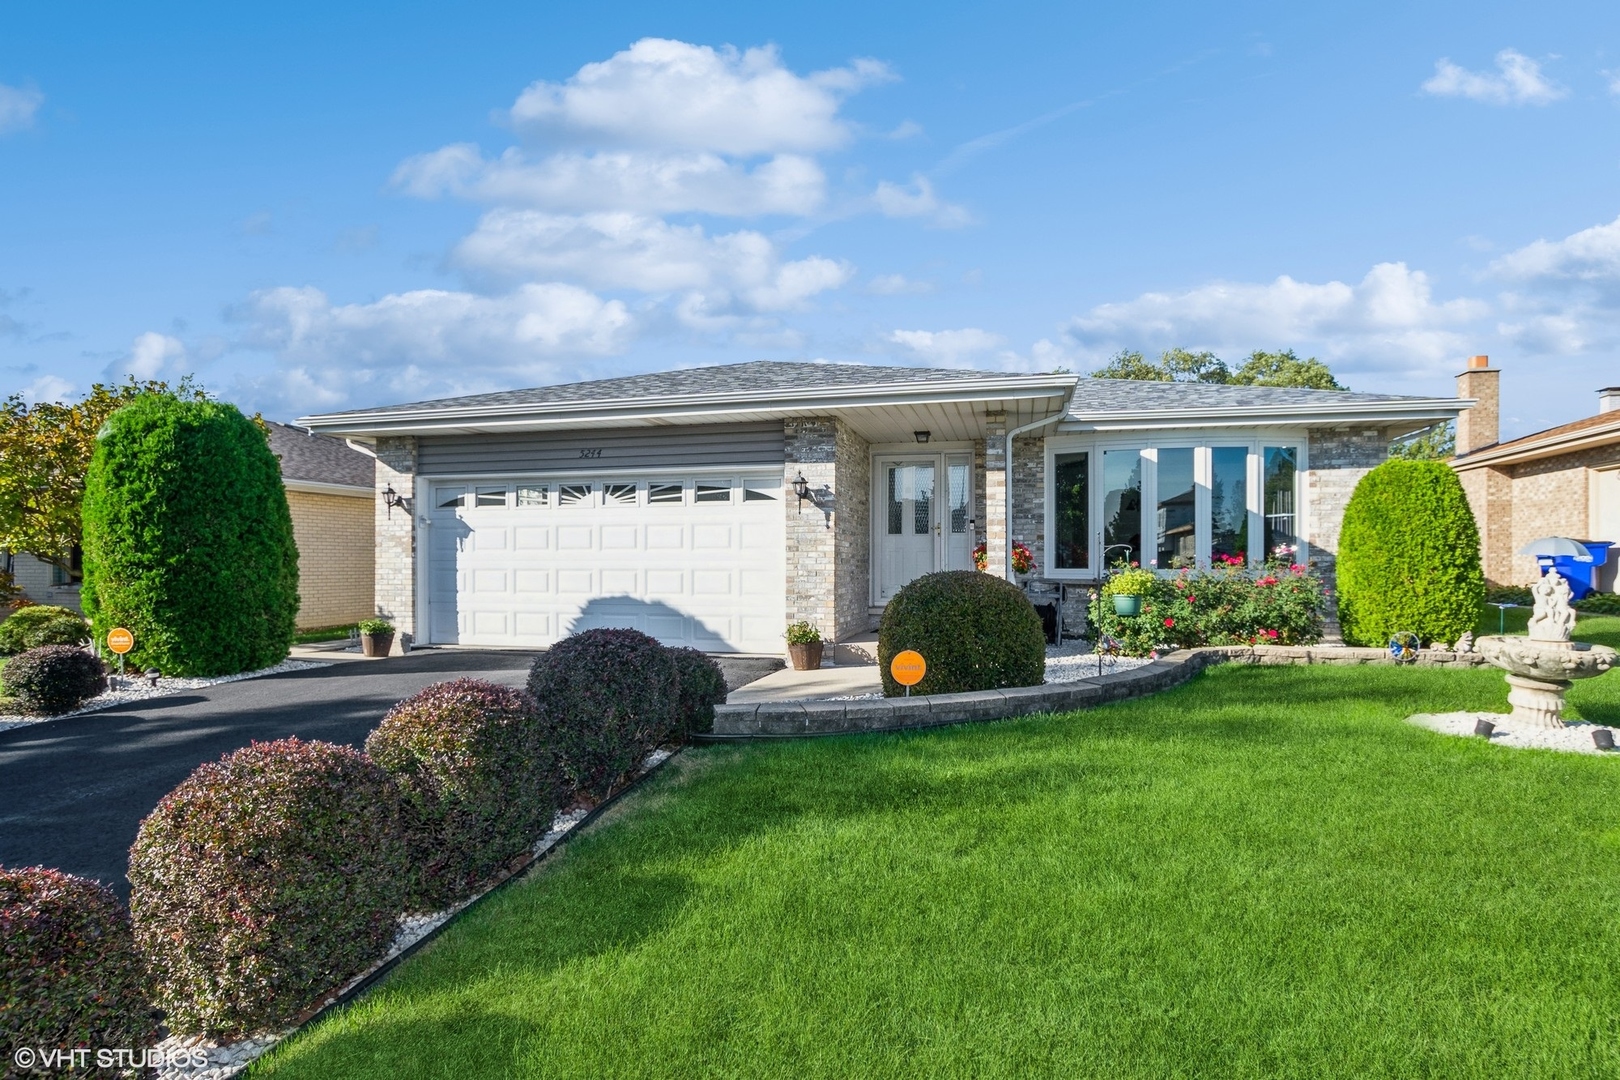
(1408,556)
(478,784)
(607,698)
(41,624)
(53,679)
(187,539)
(703,686)
(974,631)
(265,880)
(69,972)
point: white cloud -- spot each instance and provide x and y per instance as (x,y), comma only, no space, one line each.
(628,251)
(508,332)
(670,95)
(897,285)
(18,107)
(1592,254)
(918,200)
(947,347)
(1517,81)
(1388,319)
(47,388)
(1564,295)
(152,356)
(620,180)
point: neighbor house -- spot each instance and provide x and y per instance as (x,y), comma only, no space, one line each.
(712,506)
(1564,481)
(329,491)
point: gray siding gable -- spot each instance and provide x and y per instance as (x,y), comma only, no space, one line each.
(706,446)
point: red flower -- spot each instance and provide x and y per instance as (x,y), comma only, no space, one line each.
(1271,634)
(1169,622)
(1191,599)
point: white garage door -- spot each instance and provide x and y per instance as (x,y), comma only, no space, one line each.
(695,560)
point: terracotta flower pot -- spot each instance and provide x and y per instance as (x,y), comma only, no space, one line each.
(806,657)
(376,644)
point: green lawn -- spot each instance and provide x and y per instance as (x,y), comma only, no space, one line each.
(1262,873)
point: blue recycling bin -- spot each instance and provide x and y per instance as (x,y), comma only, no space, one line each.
(1579,570)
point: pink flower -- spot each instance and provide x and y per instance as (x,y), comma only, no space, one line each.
(1271,634)
(1169,621)
(1191,599)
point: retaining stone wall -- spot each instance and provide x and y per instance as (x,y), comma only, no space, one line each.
(783,719)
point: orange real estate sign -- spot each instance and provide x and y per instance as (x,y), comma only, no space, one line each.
(908,668)
(120,640)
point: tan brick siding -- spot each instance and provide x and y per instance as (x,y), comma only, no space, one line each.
(335,564)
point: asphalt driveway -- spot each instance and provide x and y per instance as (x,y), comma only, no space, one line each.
(73,792)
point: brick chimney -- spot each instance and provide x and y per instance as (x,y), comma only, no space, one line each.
(1609,399)
(1479,426)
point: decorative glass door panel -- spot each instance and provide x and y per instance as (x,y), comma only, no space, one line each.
(958,512)
(1281,465)
(908,540)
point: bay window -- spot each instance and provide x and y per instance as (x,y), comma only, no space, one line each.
(1172,501)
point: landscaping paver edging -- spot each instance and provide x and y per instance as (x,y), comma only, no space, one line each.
(799,719)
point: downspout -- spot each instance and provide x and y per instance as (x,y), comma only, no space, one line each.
(1007,570)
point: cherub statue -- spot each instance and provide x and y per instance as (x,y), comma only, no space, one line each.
(1554,617)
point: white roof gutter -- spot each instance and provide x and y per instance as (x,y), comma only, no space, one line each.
(1418,409)
(534,415)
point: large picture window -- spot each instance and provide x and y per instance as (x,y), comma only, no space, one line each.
(1170,502)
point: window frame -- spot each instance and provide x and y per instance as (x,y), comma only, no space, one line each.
(1202,441)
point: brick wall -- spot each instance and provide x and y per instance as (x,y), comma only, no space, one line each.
(994,518)
(395,531)
(335,541)
(852,534)
(1339,458)
(812,549)
(1552,497)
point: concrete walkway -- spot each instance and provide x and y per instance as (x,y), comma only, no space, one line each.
(790,685)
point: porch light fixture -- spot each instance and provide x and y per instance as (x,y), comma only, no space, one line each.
(801,488)
(921,436)
(392,498)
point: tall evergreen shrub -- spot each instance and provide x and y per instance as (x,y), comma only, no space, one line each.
(1409,556)
(187,539)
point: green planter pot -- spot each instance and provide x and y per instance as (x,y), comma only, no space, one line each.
(1127,606)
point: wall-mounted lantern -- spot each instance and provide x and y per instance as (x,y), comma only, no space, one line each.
(392,498)
(801,488)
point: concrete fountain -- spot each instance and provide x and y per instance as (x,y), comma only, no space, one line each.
(1541,667)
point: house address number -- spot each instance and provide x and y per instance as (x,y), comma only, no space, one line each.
(587,452)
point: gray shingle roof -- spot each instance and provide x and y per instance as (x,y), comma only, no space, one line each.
(1128,395)
(319,459)
(1091,397)
(757,375)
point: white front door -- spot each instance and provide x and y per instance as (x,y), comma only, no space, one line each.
(907,522)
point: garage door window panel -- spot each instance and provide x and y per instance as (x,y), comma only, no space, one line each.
(712,492)
(574,495)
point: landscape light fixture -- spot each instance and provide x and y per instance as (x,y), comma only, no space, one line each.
(921,436)
(1603,739)
(392,498)
(801,488)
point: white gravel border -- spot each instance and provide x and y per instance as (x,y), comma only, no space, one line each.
(138,689)
(1575,737)
(226,1060)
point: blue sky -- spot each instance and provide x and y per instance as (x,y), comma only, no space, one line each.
(314,210)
